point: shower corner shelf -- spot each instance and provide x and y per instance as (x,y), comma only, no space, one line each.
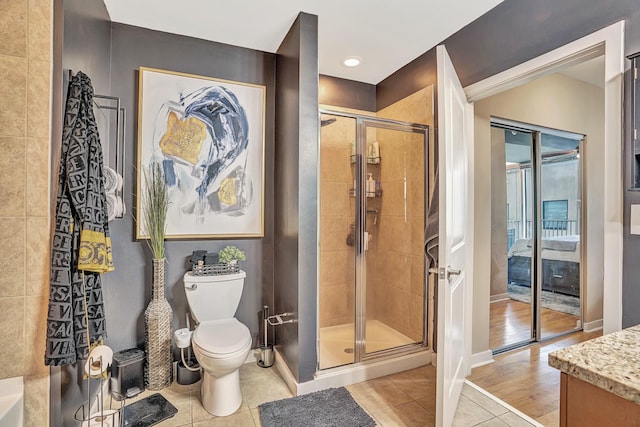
(376,195)
(370,160)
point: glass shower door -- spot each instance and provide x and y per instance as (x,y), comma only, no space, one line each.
(372,281)
(393,224)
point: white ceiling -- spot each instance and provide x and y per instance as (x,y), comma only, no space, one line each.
(386,34)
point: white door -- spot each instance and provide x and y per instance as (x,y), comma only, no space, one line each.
(455,257)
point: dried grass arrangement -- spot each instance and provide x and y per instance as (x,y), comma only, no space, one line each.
(158,316)
(156,204)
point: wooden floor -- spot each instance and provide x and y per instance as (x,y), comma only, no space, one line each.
(510,322)
(523,379)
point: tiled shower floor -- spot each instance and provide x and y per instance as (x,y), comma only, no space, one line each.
(336,342)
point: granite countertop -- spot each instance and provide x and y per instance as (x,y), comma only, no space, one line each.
(611,362)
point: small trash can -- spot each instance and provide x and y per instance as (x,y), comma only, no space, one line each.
(127,372)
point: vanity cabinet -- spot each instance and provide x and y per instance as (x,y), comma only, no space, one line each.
(600,381)
(578,407)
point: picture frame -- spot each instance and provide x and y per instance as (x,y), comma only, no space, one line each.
(208,135)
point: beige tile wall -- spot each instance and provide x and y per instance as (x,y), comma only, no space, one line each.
(337,262)
(25,87)
(399,273)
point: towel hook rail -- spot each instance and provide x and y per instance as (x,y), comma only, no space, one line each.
(121,126)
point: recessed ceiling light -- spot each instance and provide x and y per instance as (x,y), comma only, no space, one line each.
(351,61)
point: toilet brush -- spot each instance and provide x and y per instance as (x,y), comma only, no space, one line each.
(265,316)
(266,350)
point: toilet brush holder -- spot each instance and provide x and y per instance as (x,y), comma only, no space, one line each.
(267,356)
(184,376)
(266,351)
(189,373)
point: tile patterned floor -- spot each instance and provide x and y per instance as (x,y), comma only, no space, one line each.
(406,399)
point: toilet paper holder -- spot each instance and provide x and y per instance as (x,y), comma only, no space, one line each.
(267,355)
(93,412)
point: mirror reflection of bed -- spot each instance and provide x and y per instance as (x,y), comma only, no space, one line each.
(560,288)
(560,281)
(560,269)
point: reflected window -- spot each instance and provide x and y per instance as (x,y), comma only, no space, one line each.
(555,214)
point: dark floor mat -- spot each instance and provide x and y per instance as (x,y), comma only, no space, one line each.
(332,407)
(148,411)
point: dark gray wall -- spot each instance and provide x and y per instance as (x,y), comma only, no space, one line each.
(110,54)
(296,201)
(82,42)
(346,93)
(511,33)
(631,270)
(514,32)
(128,289)
(414,76)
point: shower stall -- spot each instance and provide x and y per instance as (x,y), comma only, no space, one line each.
(372,281)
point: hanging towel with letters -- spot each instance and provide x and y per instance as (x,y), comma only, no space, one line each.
(81,246)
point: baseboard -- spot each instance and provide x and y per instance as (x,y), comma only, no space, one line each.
(285,373)
(499,297)
(596,325)
(481,359)
(364,371)
(346,375)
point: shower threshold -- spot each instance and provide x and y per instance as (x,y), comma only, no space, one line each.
(356,372)
(398,353)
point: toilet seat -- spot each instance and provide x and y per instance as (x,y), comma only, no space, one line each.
(222,338)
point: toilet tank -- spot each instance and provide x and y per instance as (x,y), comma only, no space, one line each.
(213,297)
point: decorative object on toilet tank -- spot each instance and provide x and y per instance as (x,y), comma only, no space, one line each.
(231,255)
(158,315)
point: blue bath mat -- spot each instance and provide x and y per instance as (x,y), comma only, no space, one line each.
(331,407)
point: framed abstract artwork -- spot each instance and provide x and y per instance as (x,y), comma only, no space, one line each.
(207,135)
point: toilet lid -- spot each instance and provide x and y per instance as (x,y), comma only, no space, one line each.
(221,336)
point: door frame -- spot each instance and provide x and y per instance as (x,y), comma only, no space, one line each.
(609,42)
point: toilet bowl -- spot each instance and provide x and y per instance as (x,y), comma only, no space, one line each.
(221,343)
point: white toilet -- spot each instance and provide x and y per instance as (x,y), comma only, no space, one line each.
(220,342)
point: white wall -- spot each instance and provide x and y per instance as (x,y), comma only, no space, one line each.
(559,102)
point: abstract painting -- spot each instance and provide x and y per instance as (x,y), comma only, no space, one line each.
(207,135)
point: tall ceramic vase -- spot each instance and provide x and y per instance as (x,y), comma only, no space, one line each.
(157,324)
